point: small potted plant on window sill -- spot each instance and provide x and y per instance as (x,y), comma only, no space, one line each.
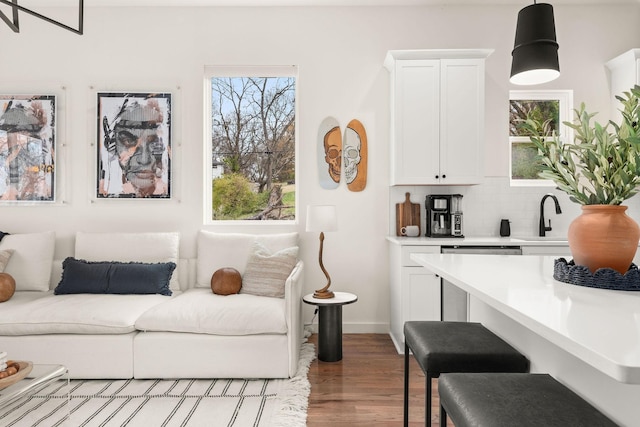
(599,170)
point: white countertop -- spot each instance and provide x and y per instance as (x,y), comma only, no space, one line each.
(600,327)
(479,241)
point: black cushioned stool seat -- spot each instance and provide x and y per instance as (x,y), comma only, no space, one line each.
(512,399)
(441,347)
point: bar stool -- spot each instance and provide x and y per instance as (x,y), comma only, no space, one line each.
(441,347)
(512,399)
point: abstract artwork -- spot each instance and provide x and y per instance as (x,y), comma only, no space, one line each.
(134,145)
(27,148)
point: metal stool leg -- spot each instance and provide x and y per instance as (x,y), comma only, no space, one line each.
(443,416)
(427,400)
(406,385)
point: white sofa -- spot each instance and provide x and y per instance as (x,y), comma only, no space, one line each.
(193,333)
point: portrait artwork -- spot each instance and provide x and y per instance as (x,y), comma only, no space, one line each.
(134,145)
(27,148)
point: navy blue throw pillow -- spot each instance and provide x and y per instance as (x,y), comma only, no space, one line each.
(98,277)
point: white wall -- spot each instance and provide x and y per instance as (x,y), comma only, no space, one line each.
(339,52)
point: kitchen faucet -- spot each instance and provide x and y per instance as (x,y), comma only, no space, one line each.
(544,228)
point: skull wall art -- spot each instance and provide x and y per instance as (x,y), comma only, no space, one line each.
(355,156)
(329,153)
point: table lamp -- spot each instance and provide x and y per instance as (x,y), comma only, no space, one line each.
(322,218)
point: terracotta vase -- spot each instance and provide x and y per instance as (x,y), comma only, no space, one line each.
(604,236)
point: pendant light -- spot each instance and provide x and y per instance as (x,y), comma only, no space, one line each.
(535,52)
(14,22)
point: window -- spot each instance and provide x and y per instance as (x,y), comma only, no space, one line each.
(251,144)
(555,106)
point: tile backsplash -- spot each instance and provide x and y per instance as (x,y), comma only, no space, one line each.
(484,205)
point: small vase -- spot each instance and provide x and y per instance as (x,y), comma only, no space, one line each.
(604,236)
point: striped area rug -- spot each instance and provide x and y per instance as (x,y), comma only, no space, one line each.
(155,403)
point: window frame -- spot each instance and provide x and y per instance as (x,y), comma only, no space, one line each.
(565,112)
(213,71)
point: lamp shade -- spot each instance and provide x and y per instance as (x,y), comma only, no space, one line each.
(322,218)
(535,51)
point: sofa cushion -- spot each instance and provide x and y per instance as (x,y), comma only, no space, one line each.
(219,250)
(30,263)
(35,313)
(95,277)
(266,272)
(125,247)
(202,312)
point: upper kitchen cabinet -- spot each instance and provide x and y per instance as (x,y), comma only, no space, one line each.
(437,116)
(624,73)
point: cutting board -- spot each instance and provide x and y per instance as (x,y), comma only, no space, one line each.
(407,213)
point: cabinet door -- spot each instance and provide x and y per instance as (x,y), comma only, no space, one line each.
(422,294)
(461,121)
(415,122)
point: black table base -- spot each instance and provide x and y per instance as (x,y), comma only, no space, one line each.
(330,333)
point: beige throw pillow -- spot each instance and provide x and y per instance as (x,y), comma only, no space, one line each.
(4,258)
(266,273)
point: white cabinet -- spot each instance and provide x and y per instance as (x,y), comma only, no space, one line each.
(437,116)
(624,72)
(414,291)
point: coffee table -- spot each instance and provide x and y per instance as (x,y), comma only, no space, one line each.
(37,380)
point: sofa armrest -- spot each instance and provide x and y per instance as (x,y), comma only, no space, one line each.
(293,301)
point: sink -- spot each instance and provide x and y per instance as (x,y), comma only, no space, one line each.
(541,239)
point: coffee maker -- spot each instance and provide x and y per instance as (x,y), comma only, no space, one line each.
(444,215)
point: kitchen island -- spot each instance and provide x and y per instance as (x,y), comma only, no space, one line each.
(589,339)
(415,293)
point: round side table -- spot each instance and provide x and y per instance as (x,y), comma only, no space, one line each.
(330,324)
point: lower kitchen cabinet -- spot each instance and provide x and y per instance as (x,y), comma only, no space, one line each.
(414,291)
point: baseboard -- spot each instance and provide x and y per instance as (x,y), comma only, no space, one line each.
(398,345)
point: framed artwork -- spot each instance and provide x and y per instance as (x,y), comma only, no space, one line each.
(27,148)
(134,145)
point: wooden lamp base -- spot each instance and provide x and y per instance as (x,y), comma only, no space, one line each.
(323,294)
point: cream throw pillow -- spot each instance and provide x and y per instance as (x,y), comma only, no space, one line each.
(232,250)
(266,273)
(4,258)
(31,260)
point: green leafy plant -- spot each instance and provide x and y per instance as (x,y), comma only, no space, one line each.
(232,197)
(600,167)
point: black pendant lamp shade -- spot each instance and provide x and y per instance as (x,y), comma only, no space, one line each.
(535,52)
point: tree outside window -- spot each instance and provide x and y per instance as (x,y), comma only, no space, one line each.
(550,107)
(253,148)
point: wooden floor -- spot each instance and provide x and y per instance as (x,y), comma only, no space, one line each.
(365,388)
